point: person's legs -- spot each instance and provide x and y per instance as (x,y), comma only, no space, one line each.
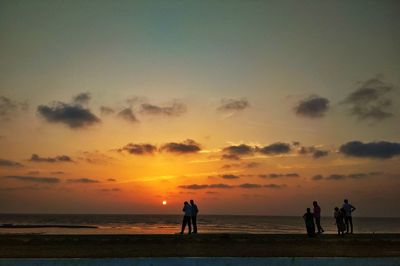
(189,222)
(183,224)
(194,222)
(346,220)
(351,223)
(318,223)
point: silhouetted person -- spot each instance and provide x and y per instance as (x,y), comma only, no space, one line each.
(339,216)
(309,220)
(187,209)
(195,211)
(348,208)
(317,216)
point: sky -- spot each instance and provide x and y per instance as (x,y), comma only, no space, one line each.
(247,107)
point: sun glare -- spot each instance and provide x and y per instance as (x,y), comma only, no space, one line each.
(164,202)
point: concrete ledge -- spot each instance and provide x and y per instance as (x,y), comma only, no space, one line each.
(231,261)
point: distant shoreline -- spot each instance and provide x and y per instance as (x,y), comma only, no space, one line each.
(22,226)
(201,245)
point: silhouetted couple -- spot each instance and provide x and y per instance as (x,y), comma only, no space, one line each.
(190,217)
(309,220)
(343,218)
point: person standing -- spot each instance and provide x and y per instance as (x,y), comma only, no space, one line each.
(317,216)
(187,209)
(309,220)
(195,211)
(339,215)
(348,209)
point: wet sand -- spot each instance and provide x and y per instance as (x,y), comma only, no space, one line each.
(201,245)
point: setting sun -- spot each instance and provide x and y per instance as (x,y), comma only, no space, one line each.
(164,202)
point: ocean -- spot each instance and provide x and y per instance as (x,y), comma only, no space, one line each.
(171,224)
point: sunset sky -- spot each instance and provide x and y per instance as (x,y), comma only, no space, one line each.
(247,107)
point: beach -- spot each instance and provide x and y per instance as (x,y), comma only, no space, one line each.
(200,245)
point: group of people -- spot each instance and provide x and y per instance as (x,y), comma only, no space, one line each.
(190,217)
(343,219)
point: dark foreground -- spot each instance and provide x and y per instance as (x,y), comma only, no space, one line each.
(201,245)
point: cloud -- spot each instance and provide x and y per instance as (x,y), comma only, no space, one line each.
(187,146)
(234,152)
(274,186)
(371,100)
(111,180)
(8,163)
(205,186)
(128,115)
(82,98)
(72,115)
(60,158)
(274,175)
(250,185)
(275,148)
(57,172)
(104,110)
(338,177)
(8,108)
(230,105)
(316,153)
(34,179)
(251,165)
(375,150)
(82,180)
(229,176)
(313,107)
(110,190)
(140,149)
(175,109)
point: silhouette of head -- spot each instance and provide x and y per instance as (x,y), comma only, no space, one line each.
(308,210)
(315,203)
(336,208)
(191,202)
(346,201)
(186,203)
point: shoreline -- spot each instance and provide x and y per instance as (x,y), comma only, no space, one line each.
(200,245)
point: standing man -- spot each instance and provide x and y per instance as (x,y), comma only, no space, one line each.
(317,216)
(187,209)
(348,209)
(195,210)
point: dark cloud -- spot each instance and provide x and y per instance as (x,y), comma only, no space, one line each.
(205,186)
(104,110)
(348,176)
(335,177)
(251,165)
(57,159)
(274,186)
(313,107)
(110,190)
(8,163)
(34,179)
(229,176)
(72,115)
(371,100)
(232,157)
(274,175)
(317,177)
(275,148)
(82,98)
(57,173)
(241,149)
(233,104)
(33,172)
(316,153)
(139,149)
(175,109)
(83,180)
(128,115)
(376,150)
(250,185)
(8,108)
(111,180)
(188,146)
